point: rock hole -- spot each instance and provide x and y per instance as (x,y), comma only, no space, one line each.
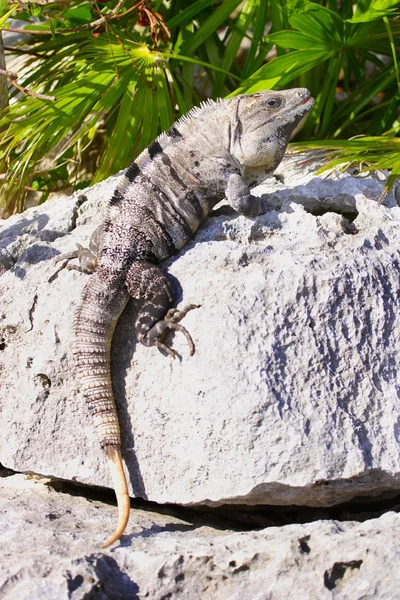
(241,569)
(342,204)
(52,516)
(45,383)
(243,260)
(350,216)
(6,333)
(75,583)
(32,310)
(337,572)
(303,545)
(44,380)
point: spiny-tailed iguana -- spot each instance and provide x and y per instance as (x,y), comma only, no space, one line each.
(218,150)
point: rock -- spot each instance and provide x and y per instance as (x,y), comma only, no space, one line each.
(49,550)
(292,396)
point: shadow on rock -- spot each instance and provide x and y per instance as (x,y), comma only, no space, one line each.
(105,577)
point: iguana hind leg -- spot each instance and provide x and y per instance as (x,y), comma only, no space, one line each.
(146,282)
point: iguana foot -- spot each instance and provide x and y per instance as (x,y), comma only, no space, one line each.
(87,260)
(87,257)
(160,330)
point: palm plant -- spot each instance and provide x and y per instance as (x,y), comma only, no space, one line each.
(101,80)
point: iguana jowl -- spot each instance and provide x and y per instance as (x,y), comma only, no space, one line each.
(216,151)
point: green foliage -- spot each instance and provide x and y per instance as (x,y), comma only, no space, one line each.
(121,72)
(383,152)
(334,54)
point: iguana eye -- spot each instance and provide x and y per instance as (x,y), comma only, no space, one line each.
(273,102)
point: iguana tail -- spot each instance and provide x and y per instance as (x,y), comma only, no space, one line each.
(121,491)
(101,305)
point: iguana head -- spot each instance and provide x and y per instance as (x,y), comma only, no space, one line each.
(261,125)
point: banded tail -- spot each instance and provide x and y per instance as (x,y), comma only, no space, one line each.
(100,308)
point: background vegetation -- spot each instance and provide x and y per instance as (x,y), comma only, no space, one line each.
(97,81)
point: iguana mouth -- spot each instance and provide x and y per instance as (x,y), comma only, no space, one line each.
(306,100)
(303,106)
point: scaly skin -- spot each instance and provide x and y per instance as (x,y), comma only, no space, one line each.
(214,152)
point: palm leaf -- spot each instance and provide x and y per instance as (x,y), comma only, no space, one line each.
(377,152)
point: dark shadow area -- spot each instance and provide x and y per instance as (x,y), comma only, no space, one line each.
(38,253)
(34,251)
(342,204)
(238,517)
(31,251)
(176,287)
(319,211)
(334,575)
(4,472)
(111,582)
(348,215)
(13,231)
(223,211)
(128,540)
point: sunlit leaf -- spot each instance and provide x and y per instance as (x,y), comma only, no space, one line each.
(373,9)
(79,14)
(258,48)
(186,15)
(281,70)
(35,9)
(7,14)
(379,152)
(3,7)
(210,25)
(239,31)
(127,128)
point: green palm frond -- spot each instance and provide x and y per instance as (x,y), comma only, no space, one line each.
(368,152)
(120,82)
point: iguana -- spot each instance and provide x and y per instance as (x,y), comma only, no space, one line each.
(218,150)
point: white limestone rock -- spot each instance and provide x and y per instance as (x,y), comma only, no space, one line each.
(292,396)
(50,551)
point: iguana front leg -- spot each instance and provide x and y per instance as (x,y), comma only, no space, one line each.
(241,199)
(87,257)
(238,194)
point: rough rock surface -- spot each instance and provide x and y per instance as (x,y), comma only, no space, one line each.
(49,544)
(292,396)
